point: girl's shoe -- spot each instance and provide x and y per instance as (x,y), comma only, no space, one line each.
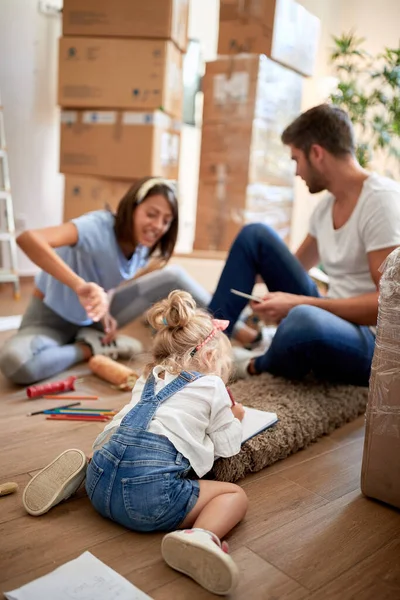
(56,482)
(200,555)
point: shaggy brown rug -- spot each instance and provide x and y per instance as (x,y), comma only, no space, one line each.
(306,411)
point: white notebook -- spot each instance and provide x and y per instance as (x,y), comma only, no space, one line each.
(255,421)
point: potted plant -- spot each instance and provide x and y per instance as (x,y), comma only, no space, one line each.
(369,90)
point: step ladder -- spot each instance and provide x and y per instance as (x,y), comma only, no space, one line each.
(7,231)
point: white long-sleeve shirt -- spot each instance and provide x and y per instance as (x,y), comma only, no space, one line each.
(197,420)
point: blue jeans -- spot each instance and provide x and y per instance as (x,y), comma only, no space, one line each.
(309,339)
(138,478)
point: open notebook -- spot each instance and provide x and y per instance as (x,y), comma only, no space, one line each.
(255,421)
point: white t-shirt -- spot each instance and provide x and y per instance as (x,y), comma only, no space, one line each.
(197,420)
(373,225)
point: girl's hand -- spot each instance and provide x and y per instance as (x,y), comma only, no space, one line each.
(238,411)
(93,299)
(110,328)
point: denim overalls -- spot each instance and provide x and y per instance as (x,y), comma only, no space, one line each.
(138,478)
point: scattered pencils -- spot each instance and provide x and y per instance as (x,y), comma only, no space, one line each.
(79,414)
(108,414)
(40,412)
(60,417)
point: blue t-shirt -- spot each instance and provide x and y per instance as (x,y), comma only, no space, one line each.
(96,258)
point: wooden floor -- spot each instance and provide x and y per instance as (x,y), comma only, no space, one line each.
(309,533)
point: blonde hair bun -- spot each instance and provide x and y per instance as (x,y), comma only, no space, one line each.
(176,311)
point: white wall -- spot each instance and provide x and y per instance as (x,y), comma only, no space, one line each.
(28,75)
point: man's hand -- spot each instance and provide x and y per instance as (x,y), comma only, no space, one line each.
(276,306)
(93,299)
(110,328)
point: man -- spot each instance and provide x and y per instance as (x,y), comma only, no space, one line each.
(352,231)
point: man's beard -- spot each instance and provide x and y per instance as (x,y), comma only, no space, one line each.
(315,188)
(315,183)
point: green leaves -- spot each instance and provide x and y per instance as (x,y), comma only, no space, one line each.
(369,91)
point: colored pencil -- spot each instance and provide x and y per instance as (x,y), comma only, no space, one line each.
(40,412)
(83,409)
(80,413)
(59,397)
(55,417)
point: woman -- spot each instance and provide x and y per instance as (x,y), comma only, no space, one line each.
(75,309)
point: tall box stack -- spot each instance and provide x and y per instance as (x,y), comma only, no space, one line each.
(246,174)
(121,93)
(380,477)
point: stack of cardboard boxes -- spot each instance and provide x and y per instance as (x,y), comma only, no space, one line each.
(251,92)
(121,93)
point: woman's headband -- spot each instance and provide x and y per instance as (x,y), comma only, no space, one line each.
(149,184)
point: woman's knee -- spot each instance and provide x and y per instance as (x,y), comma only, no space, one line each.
(16,363)
(175,274)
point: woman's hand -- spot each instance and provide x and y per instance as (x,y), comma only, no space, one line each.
(238,411)
(93,299)
(276,306)
(110,328)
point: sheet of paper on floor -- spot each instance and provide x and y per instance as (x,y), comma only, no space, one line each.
(85,578)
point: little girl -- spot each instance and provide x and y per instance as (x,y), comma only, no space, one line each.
(180,419)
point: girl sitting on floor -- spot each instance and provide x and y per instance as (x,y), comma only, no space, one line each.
(180,419)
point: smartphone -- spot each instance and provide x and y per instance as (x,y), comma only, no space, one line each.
(248,296)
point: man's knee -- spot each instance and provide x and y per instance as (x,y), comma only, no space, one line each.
(254,231)
(302,322)
(257,236)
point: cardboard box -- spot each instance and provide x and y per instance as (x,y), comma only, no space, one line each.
(247,87)
(260,10)
(85,194)
(282,29)
(380,476)
(230,87)
(248,101)
(160,19)
(224,207)
(119,73)
(125,145)
(254,153)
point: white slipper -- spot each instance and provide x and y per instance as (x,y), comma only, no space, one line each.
(123,346)
(55,483)
(198,553)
